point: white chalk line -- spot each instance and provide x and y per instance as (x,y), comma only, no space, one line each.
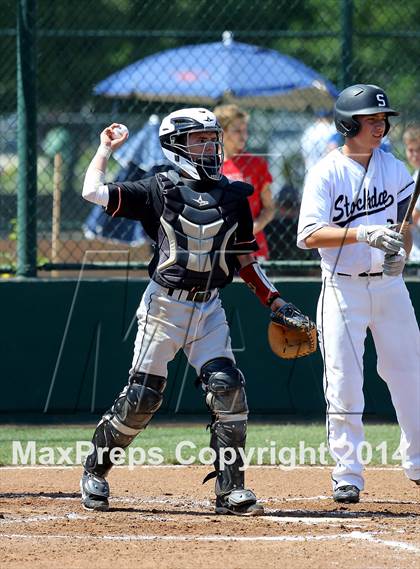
(205,503)
(43,518)
(276,500)
(354,535)
(297,499)
(334,519)
(312,521)
(151,517)
(186,502)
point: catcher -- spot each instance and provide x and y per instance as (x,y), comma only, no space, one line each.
(201,224)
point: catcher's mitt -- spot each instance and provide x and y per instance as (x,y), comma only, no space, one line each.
(291,334)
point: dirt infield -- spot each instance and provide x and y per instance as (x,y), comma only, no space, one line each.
(162,517)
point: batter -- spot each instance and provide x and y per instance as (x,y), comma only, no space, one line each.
(351,200)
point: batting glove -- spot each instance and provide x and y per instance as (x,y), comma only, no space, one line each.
(394,263)
(381,237)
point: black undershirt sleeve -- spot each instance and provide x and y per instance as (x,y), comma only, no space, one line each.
(140,200)
(128,199)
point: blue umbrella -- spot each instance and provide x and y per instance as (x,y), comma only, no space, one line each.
(229,71)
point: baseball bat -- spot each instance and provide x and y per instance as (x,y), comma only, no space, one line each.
(411,205)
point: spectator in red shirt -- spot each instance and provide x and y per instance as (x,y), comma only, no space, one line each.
(246,167)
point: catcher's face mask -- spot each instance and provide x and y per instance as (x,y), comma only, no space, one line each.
(205,149)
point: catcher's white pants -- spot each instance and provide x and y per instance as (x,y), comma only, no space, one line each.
(347,307)
(165,325)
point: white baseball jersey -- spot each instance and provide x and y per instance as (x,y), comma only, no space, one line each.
(339,192)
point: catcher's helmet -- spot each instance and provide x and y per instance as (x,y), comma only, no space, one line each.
(204,164)
(360,100)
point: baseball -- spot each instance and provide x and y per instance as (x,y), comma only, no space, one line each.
(119,130)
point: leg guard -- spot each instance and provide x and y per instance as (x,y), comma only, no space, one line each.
(226,399)
(130,414)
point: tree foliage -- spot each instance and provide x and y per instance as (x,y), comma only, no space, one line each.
(82,41)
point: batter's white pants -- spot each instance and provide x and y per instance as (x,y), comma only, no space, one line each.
(166,325)
(347,307)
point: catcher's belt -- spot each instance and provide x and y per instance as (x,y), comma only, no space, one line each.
(291,334)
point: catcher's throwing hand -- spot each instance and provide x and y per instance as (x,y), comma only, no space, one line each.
(291,334)
(112,137)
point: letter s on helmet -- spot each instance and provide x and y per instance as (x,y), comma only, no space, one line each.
(174,134)
(360,100)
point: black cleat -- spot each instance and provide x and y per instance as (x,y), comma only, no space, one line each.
(95,492)
(239,503)
(347,494)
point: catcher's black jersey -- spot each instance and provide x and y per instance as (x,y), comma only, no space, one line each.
(198,227)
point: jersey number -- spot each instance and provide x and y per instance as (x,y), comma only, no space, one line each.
(381,100)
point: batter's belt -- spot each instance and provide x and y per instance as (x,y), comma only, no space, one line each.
(360,275)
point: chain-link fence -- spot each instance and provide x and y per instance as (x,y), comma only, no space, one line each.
(104,61)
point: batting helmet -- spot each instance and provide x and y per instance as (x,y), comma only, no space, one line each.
(174,138)
(360,100)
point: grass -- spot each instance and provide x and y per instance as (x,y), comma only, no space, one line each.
(284,443)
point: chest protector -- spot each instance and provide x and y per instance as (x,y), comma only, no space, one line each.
(196,233)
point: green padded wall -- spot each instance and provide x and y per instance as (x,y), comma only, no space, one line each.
(66,348)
